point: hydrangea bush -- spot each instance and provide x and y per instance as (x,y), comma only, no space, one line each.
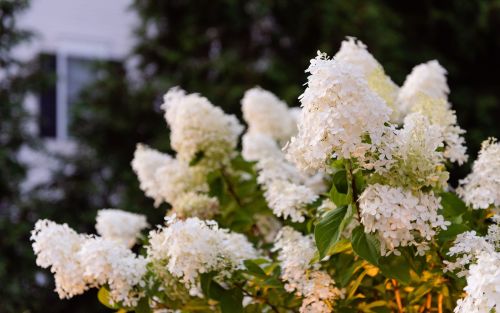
(342,205)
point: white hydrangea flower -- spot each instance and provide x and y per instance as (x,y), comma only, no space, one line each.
(56,247)
(177,177)
(483,286)
(466,248)
(426,91)
(355,53)
(339,99)
(166,179)
(426,78)
(287,190)
(289,200)
(145,164)
(439,112)
(197,126)
(413,159)
(191,247)
(257,146)
(266,114)
(481,188)
(400,218)
(107,263)
(295,253)
(120,226)
(80,262)
(193,204)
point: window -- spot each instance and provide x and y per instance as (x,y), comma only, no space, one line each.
(71,74)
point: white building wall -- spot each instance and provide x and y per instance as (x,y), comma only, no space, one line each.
(101,28)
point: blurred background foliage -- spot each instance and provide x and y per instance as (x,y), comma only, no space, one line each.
(218,48)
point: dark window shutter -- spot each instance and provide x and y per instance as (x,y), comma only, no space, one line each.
(48,98)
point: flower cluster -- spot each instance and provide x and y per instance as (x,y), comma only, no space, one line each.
(425,91)
(400,218)
(355,53)
(483,281)
(315,286)
(351,115)
(468,246)
(411,157)
(192,247)
(198,127)
(287,190)
(266,114)
(166,179)
(80,262)
(481,189)
(478,259)
(120,226)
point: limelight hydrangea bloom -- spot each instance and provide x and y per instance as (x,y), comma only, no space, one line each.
(354,52)
(413,159)
(257,146)
(289,200)
(440,113)
(468,246)
(481,188)
(192,247)
(120,226)
(483,286)
(192,204)
(56,246)
(339,112)
(295,253)
(426,91)
(166,179)
(477,258)
(197,126)
(428,79)
(287,190)
(106,263)
(80,262)
(145,164)
(266,114)
(400,218)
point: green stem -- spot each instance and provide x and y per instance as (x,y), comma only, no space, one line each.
(352,192)
(230,188)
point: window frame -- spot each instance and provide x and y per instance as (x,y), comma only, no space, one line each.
(72,49)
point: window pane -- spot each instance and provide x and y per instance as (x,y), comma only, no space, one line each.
(81,72)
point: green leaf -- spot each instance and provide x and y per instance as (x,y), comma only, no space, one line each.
(451,232)
(453,206)
(396,267)
(419,292)
(210,288)
(327,232)
(365,245)
(254,269)
(216,185)
(231,301)
(340,199)
(197,158)
(104,297)
(340,181)
(143,306)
